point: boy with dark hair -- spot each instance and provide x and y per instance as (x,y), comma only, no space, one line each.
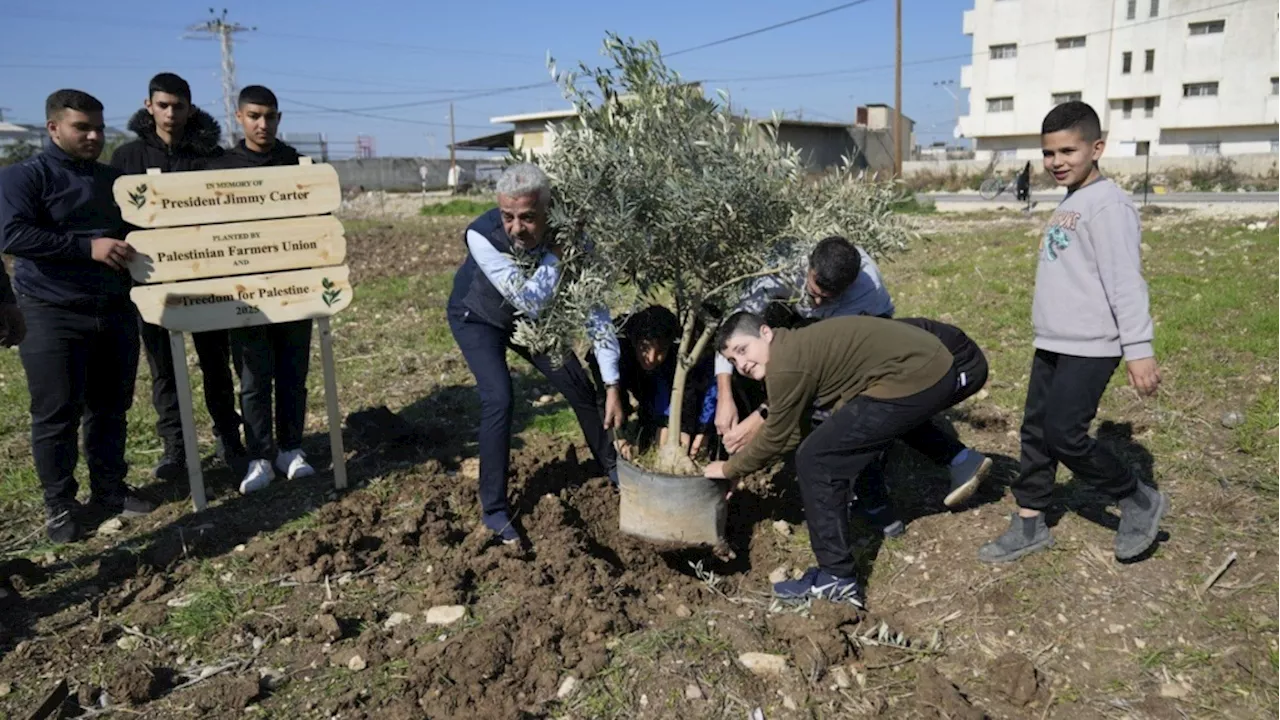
(881,379)
(842,280)
(176,136)
(1090,310)
(649,348)
(58,219)
(280,353)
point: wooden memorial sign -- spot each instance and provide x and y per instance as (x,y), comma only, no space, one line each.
(240,248)
(205,251)
(222,196)
(245,300)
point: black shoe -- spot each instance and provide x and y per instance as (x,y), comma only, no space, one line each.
(229,449)
(60,523)
(124,502)
(1140,515)
(173,464)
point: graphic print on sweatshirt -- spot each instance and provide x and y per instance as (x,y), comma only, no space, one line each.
(1055,238)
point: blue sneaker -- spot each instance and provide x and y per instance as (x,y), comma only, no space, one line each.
(500,523)
(881,518)
(967,472)
(818,583)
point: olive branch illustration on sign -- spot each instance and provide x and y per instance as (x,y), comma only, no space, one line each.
(331,292)
(138,196)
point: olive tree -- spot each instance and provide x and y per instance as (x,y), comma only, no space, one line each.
(662,193)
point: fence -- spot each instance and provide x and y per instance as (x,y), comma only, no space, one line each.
(411,174)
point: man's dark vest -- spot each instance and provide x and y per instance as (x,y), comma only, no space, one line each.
(471,288)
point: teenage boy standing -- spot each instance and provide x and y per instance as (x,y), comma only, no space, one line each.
(881,379)
(1090,310)
(280,353)
(175,136)
(58,219)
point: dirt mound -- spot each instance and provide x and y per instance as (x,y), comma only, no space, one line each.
(136,683)
(223,696)
(938,697)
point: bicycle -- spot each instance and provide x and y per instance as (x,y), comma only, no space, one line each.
(993,186)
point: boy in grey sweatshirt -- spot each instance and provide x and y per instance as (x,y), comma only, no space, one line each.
(1090,310)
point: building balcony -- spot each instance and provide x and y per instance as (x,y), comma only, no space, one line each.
(966,76)
(968,21)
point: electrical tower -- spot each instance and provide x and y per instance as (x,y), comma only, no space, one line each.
(219,27)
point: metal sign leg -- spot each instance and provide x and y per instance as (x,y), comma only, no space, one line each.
(185,407)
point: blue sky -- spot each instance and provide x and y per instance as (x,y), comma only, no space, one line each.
(390,52)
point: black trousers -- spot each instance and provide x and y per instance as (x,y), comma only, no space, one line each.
(484,347)
(213,349)
(81,362)
(265,356)
(837,451)
(1062,400)
(971,375)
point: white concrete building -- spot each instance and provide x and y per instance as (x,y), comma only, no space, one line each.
(1167,77)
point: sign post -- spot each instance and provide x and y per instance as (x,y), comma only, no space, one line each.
(235,249)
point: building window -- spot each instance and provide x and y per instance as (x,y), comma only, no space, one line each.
(1205,89)
(1149,107)
(1155,8)
(1008,154)
(1004,52)
(1000,104)
(1150,65)
(1144,148)
(1211,27)
(1204,148)
(1066,43)
(1275,86)
(1275,146)
(1128,108)
(1126,63)
(1066,97)
(1132,11)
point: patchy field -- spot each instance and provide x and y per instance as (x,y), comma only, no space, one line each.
(296,602)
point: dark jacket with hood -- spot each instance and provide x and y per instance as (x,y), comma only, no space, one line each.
(242,157)
(51,207)
(198,145)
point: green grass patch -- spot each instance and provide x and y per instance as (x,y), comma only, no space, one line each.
(458,207)
(558,423)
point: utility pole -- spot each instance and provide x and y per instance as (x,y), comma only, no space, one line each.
(218,26)
(453,161)
(943,84)
(897,91)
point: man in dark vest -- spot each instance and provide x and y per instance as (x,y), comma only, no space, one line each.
(176,136)
(58,219)
(489,291)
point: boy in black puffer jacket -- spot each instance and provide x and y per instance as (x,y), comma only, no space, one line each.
(176,136)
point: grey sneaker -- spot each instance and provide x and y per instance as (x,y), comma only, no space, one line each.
(966,477)
(1140,515)
(1024,536)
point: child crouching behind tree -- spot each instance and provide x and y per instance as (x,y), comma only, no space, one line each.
(268,355)
(649,342)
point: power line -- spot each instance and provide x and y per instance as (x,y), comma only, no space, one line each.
(944,58)
(358,113)
(765,29)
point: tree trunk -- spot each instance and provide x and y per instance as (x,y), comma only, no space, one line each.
(672,456)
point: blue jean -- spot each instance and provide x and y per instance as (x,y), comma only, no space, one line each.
(484,346)
(81,361)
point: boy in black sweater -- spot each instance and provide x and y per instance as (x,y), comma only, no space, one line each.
(175,136)
(80,354)
(267,354)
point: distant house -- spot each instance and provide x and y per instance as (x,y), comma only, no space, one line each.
(822,145)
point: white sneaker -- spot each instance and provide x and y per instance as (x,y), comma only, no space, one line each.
(259,476)
(293,463)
